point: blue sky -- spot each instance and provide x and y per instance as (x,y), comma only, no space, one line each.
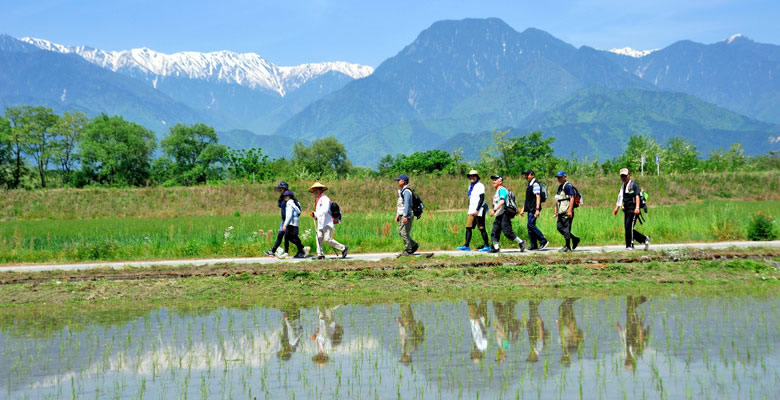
(291,32)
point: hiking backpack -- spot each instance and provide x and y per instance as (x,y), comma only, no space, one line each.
(642,200)
(543,195)
(577,196)
(510,208)
(335,212)
(417,206)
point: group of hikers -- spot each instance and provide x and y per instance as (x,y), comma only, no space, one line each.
(504,208)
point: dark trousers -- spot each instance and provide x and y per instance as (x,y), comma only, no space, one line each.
(629,222)
(564,227)
(502,223)
(291,236)
(279,237)
(534,234)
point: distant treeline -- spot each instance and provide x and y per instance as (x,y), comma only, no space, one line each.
(40,149)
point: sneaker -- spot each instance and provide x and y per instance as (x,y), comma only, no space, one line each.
(344,252)
(564,249)
(647,243)
(404,254)
(522,245)
(464,248)
(485,248)
(306,250)
(284,256)
(414,249)
(494,250)
(574,243)
(269,253)
(533,248)
(629,249)
(300,255)
(543,245)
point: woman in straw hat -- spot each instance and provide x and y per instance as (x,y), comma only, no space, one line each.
(476,212)
(324,221)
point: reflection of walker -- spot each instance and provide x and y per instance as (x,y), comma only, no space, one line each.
(479,330)
(328,335)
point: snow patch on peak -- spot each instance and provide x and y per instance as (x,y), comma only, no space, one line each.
(732,38)
(628,51)
(245,69)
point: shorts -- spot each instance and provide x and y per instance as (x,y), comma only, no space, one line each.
(475,222)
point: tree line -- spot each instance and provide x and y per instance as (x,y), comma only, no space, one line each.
(39,148)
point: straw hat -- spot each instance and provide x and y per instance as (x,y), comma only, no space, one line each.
(318,185)
(473,172)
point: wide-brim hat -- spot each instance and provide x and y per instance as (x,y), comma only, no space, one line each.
(473,172)
(318,185)
(288,193)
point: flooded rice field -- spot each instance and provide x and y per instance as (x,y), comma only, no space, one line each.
(628,347)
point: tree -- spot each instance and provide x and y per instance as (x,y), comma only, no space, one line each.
(70,127)
(5,152)
(243,163)
(731,160)
(36,126)
(419,162)
(512,156)
(17,140)
(325,155)
(638,146)
(679,155)
(117,152)
(195,151)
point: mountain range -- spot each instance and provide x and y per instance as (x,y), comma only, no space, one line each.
(455,82)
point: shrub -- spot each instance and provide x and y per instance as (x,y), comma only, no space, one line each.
(762,227)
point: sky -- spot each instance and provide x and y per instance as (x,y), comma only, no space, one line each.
(291,32)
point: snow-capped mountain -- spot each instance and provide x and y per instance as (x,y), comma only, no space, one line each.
(628,51)
(245,69)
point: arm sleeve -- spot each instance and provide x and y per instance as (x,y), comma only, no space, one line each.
(407,203)
(480,201)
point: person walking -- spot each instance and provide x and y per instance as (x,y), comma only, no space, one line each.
(324,222)
(290,228)
(503,221)
(564,211)
(476,212)
(628,198)
(281,188)
(404,215)
(533,206)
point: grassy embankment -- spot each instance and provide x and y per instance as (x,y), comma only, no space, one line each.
(112,224)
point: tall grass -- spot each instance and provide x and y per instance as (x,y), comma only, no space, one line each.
(358,195)
(247,235)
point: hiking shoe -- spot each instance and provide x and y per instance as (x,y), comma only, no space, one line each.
(269,253)
(485,248)
(647,243)
(344,252)
(543,245)
(533,248)
(494,250)
(414,249)
(564,249)
(300,255)
(575,242)
(522,245)
(464,248)
(284,256)
(404,254)
(629,249)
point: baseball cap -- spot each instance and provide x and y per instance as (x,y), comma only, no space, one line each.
(496,177)
(560,174)
(403,177)
(624,171)
(288,193)
(529,172)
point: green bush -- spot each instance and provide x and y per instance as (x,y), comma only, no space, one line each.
(762,227)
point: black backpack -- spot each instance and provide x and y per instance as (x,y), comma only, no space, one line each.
(417,204)
(335,212)
(542,192)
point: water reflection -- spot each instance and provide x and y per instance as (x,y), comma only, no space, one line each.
(636,333)
(410,331)
(714,347)
(571,336)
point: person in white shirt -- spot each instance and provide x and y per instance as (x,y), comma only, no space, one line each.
(476,212)
(324,222)
(290,225)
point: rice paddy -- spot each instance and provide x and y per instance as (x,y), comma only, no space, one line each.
(598,347)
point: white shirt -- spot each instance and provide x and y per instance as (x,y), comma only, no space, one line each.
(292,213)
(479,334)
(322,212)
(476,191)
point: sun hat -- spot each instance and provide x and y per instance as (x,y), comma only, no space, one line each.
(473,172)
(282,185)
(318,185)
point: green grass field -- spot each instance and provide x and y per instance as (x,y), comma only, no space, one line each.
(211,236)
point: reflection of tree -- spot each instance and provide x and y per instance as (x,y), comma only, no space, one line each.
(506,326)
(292,330)
(571,335)
(479,324)
(636,334)
(411,331)
(328,334)
(537,335)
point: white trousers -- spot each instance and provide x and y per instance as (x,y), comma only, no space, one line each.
(326,235)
